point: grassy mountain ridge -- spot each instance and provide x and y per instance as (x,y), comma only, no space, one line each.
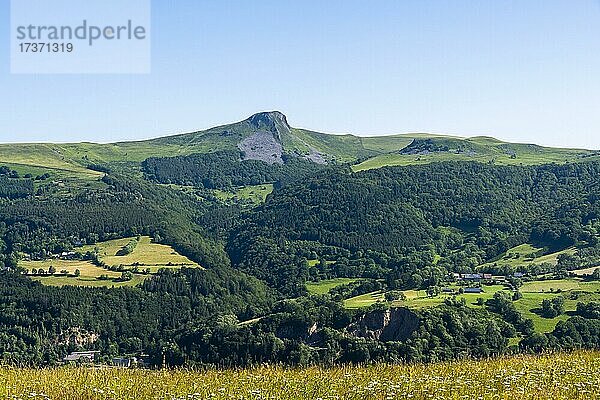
(265,134)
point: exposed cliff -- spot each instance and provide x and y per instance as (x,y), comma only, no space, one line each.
(394,324)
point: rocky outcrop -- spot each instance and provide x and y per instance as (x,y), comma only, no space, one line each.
(272,121)
(76,336)
(394,324)
(315,157)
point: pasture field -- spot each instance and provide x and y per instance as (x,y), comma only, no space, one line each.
(86,268)
(419,299)
(88,277)
(536,291)
(558,376)
(323,287)
(146,254)
(530,302)
(87,281)
(527,254)
(364,300)
(569,284)
(585,271)
(489,152)
(31,158)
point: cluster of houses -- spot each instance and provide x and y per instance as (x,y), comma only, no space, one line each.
(478,277)
(81,357)
(472,277)
(65,255)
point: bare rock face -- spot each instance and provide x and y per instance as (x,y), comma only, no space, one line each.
(272,121)
(395,324)
(265,144)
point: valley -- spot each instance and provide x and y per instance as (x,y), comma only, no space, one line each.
(257,242)
(390,200)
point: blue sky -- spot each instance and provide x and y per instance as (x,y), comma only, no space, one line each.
(526,71)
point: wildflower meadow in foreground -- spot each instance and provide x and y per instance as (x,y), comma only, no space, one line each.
(555,376)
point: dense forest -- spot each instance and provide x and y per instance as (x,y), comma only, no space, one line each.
(193,317)
(393,228)
(223,170)
(40,324)
(11,187)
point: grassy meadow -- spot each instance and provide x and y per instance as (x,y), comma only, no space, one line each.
(146,254)
(395,159)
(364,300)
(255,194)
(324,286)
(527,254)
(553,376)
(484,150)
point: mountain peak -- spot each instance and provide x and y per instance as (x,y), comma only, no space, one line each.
(273,121)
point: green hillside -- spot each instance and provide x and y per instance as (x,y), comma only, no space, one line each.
(425,150)
(270,130)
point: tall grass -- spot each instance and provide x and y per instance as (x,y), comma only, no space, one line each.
(555,376)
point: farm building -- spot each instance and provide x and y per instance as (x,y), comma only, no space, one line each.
(81,356)
(70,255)
(473,290)
(472,277)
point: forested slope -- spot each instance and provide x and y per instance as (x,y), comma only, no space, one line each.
(465,212)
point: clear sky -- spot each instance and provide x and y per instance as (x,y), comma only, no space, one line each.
(522,70)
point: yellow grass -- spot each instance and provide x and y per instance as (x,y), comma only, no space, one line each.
(88,274)
(87,282)
(364,300)
(545,286)
(87,269)
(146,254)
(556,377)
(585,271)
